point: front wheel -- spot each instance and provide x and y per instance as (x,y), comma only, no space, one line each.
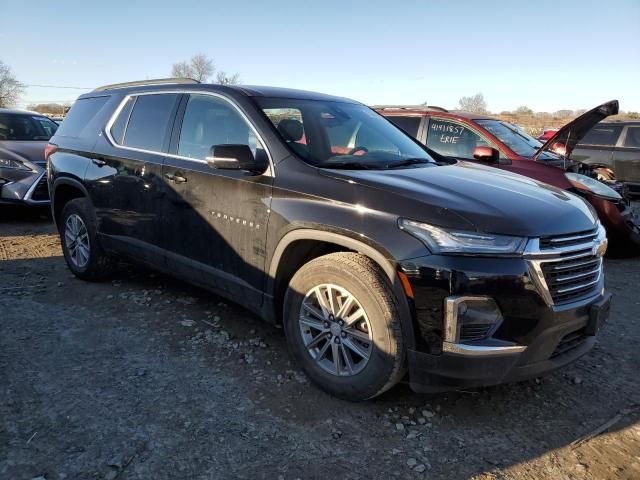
(343,327)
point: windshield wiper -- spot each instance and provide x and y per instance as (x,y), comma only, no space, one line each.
(407,162)
(349,165)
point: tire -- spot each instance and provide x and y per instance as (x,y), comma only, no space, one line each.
(90,263)
(344,274)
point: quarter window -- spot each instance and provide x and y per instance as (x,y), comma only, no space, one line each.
(633,137)
(606,135)
(210,121)
(150,121)
(81,113)
(453,139)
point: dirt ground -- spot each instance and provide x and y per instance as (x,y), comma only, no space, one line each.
(143,377)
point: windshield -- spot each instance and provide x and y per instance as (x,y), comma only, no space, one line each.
(26,127)
(517,140)
(342,135)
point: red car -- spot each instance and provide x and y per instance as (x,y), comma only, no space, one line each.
(547,134)
(480,138)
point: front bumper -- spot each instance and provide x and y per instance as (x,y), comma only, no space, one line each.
(558,345)
(26,188)
(532,338)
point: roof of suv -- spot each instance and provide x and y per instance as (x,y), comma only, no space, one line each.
(248,90)
(428,111)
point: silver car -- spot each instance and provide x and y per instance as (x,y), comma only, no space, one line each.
(23,138)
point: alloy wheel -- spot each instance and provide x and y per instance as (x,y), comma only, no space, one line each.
(77,240)
(335,330)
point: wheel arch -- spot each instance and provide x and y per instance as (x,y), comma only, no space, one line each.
(63,191)
(302,245)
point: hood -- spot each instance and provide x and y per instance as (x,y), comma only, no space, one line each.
(32,151)
(574,131)
(469,196)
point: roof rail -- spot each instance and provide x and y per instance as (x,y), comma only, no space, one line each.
(158,81)
(426,108)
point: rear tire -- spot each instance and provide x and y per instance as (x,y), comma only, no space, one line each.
(359,325)
(80,246)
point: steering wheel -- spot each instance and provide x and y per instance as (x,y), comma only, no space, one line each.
(357,149)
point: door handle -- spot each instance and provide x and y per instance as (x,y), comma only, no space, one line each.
(99,162)
(175,178)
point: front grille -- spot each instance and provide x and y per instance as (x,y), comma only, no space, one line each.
(474,331)
(568,240)
(572,277)
(567,268)
(41,192)
(569,342)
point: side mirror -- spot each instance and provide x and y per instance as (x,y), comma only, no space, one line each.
(486,154)
(559,148)
(234,157)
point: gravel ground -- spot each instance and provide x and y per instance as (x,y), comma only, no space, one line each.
(145,377)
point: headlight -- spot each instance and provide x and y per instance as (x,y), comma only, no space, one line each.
(439,240)
(582,182)
(15,164)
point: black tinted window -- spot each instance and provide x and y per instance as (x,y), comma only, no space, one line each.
(210,121)
(453,139)
(25,127)
(80,115)
(602,135)
(118,127)
(408,124)
(150,121)
(633,137)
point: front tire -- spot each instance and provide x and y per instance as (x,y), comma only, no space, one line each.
(80,246)
(342,325)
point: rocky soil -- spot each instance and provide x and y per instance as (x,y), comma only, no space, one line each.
(145,377)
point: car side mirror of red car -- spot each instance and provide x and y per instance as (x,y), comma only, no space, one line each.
(486,154)
(559,148)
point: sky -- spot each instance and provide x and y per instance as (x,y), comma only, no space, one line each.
(547,55)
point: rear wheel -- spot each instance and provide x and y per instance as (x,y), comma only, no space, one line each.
(343,327)
(82,251)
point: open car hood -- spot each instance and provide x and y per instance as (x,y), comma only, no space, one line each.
(570,134)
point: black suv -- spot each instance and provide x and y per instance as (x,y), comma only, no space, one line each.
(615,145)
(377,254)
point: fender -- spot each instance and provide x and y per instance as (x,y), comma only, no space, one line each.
(387,265)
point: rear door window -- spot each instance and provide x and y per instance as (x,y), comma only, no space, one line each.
(604,135)
(453,139)
(633,137)
(408,124)
(150,121)
(81,113)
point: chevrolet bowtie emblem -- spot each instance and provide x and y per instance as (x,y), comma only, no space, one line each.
(600,249)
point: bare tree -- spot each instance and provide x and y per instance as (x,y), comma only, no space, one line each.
(227,79)
(202,68)
(475,103)
(10,87)
(181,70)
(523,111)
